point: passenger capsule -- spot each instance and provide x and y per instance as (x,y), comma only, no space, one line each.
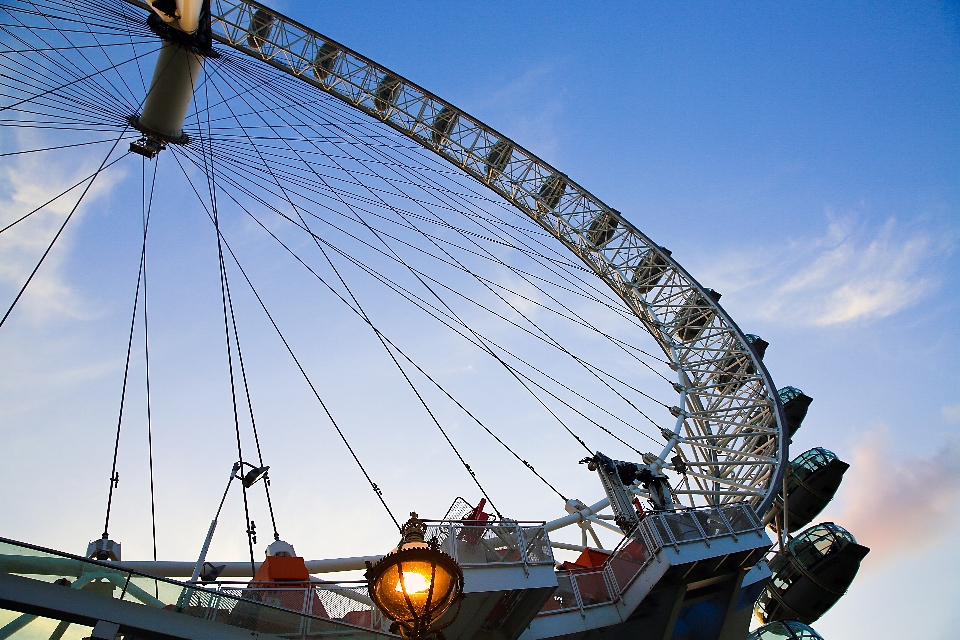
(647,274)
(810,575)
(784,630)
(758,344)
(550,193)
(795,405)
(443,124)
(812,480)
(602,229)
(695,315)
(386,92)
(261,24)
(737,365)
(324,61)
(498,158)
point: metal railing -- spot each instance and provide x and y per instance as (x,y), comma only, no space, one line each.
(492,542)
(581,589)
(334,609)
(346,602)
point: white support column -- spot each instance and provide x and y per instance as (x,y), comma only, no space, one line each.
(171,91)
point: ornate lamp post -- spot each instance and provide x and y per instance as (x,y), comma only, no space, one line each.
(416,584)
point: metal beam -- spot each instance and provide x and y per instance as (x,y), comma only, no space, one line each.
(45,566)
(179,569)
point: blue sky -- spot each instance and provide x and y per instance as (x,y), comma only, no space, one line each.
(801,158)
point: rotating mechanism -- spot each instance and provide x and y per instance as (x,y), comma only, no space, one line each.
(184,27)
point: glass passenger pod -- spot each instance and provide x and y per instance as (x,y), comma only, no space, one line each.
(695,315)
(812,481)
(386,93)
(602,229)
(784,630)
(810,575)
(738,364)
(324,61)
(498,158)
(261,24)
(443,124)
(648,273)
(550,193)
(795,405)
(758,344)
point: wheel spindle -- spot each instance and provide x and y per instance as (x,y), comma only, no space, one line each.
(184,27)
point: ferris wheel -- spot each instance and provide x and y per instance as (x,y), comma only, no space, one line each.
(379,190)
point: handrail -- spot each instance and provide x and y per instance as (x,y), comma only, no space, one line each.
(500,542)
(657,531)
(193,600)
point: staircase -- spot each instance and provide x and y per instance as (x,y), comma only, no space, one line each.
(681,574)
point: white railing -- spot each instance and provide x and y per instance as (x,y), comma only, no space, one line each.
(472,543)
(346,602)
(582,589)
(305,611)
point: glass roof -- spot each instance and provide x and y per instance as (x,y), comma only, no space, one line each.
(789,393)
(809,461)
(784,630)
(819,541)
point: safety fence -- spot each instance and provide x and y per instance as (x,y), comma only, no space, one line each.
(294,610)
(474,542)
(471,543)
(581,589)
(342,610)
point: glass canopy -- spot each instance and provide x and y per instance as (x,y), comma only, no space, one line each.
(784,630)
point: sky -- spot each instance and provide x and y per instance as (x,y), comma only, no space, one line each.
(801,158)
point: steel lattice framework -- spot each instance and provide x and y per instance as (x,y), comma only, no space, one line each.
(729,426)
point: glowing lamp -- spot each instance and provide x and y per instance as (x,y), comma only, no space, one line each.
(416,584)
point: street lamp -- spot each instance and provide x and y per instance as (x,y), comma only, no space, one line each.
(416,584)
(250,478)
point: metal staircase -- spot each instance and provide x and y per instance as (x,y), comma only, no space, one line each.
(696,568)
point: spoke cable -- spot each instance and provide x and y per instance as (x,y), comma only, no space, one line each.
(148,207)
(343,300)
(380,337)
(303,373)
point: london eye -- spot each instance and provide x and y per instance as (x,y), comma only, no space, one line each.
(417,238)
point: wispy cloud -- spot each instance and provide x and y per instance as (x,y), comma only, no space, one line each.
(519,293)
(851,273)
(25,184)
(951,413)
(526,108)
(898,504)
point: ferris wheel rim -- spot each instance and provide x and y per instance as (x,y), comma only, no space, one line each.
(652,319)
(259,36)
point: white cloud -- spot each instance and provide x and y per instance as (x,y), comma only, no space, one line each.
(850,274)
(25,184)
(898,504)
(523,109)
(519,293)
(951,413)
